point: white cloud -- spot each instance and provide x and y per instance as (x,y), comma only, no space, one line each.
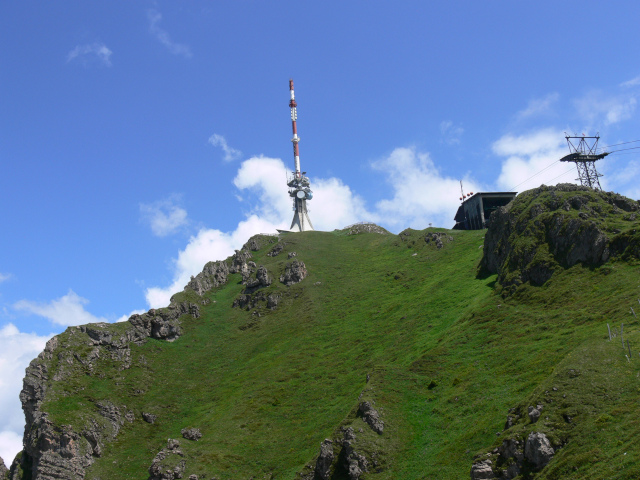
(538,106)
(67,310)
(451,133)
(532,160)
(229,153)
(599,109)
(422,195)
(631,83)
(17,349)
(97,51)
(163,37)
(4,277)
(164,216)
(124,318)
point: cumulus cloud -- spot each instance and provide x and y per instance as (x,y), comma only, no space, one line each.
(96,51)
(230,154)
(17,349)
(163,37)
(164,216)
(538,106)
(422,195)
(67,310)
(451,133)
(532,160)
(124,318)
(598,108)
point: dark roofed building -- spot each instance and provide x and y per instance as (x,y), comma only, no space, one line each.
(476,210)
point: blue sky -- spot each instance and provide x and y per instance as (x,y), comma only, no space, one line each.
(140,139)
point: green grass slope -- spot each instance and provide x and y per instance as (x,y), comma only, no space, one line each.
(393,320)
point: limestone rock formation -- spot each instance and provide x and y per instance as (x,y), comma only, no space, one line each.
(294,272)
(262,279)
(364,228)
(4,471)
(275,251)
(325,459)
(354,463)
(549,228)
(438,239)
(169,463)
(191,433)
(149,417)
(213,275)
(535,412)
(482,470)
(371,417)
(538,450)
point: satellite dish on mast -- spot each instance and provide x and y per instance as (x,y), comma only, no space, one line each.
(301,194)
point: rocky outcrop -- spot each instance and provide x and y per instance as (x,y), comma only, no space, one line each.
(364,227)
(169,463)
(354,463)
(4,471)
(371,417)
(213,275)
(535,412)
(549,228)
(191,434)
(294,272)
(323,462)
(259,241)
(149,417)
(538,450)
(276,250)
(262,279)
(482,470)
(438,239)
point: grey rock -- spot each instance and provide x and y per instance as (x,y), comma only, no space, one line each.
(169,463)
(242,301)
(364,227)
(438,239)
(371,417)
(276,250)
(534,413)
(292,254)
(4,471)
(262,280)
(322,470)
(354,463)
(294,272)
(191,433)
(538,450)
(149,417)
(273,300)
(213,275)
(482,470)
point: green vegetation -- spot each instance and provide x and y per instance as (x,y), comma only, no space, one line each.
(446,356)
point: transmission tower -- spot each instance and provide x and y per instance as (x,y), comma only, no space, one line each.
(584,153)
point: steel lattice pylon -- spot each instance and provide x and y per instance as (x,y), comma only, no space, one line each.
(584,153)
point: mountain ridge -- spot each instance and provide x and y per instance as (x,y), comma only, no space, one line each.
(403,332)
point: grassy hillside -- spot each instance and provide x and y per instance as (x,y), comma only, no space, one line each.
(390,319)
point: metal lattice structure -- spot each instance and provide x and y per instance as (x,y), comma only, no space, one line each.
(584,153)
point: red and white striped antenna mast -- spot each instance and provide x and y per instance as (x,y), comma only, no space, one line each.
(299,186)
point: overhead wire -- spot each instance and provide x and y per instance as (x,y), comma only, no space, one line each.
(535,174)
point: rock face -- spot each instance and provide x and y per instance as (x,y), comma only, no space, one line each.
(4,471)
(371,417)
(482,470)
(60,452)
(534,413)
(538,450)
(549,228)
(262,280)
(294,272)
(354,463)
(324,461)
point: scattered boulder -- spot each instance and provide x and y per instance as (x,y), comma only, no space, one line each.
(354,463)
(191,433)
(169,463)
(149,417)
(324,461)
(275,251)
(482,470)
(538,450)
(438,239)
(294,272)
(242,301)
(534,413)
(292,254)
(371,417)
